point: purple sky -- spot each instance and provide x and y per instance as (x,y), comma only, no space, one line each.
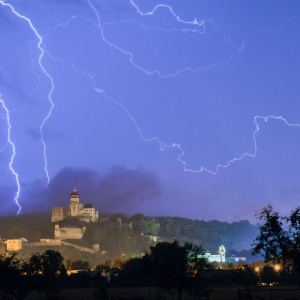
(158,107)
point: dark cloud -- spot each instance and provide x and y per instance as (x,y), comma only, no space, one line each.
(118,190)
(49,134)
(7,204)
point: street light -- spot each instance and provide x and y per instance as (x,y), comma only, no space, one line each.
(277,268)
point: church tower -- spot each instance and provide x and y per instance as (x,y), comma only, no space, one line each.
(222,253)
(74,204)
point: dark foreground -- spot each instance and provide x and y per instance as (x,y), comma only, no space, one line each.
(232,293)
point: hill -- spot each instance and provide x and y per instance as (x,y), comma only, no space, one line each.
(122,241)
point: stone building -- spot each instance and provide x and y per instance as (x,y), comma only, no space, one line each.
(84,212)
(14,245)
(88,213)
(58,214)
(69,232)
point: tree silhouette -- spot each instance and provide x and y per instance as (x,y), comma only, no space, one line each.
(268,275)
(48,270)
(175,265)
(80,265)
(13,281)
(279,238)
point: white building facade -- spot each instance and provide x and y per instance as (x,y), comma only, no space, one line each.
(219,256)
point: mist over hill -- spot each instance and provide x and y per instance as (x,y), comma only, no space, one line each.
(123,241)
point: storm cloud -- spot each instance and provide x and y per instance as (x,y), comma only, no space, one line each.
(120,189)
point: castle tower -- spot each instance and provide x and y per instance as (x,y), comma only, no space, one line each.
(57,214)
(56,232)
(74,204)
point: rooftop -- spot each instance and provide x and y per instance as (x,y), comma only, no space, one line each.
(74,193)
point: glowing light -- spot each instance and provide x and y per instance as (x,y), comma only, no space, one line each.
(42,53)
(277,267)
(13,147)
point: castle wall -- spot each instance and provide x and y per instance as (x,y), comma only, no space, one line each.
(95,248)
(44,243)
(65,233)
(57,214)
(121,224)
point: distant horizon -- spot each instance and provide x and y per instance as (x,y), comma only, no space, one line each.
(132,215)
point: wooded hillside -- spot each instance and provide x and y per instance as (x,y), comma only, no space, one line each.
(120,241)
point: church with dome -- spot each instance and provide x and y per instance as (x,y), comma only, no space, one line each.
(84,212)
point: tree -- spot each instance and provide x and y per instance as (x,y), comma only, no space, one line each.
(168,265)
(279,237)
(294,235)
(176,265)
(268,274)
(80,265)
(48,267)
(49,264)
(149,225)
(12,281)
(135,272)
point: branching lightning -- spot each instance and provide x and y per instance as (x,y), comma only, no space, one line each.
(190,26)
(13,147)
(176,146)
(199,29)
(158,6)
(42,53)
(164,146)
(242,156)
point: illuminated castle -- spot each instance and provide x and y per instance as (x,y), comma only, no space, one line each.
(84,212)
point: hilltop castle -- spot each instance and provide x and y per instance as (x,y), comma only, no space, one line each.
(84,212)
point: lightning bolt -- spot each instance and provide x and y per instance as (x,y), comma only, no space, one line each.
(242,156)
(40,59)
(164,146)
(196,27)
(194,23)
(200,28)
(178,18)
(176,146)
(13,147)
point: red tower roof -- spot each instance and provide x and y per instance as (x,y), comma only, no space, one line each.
(74,193)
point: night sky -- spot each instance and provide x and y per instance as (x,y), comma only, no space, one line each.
(187,108)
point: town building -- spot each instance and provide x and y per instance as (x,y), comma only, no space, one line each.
(13,244)
(219,256)
(237,259)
